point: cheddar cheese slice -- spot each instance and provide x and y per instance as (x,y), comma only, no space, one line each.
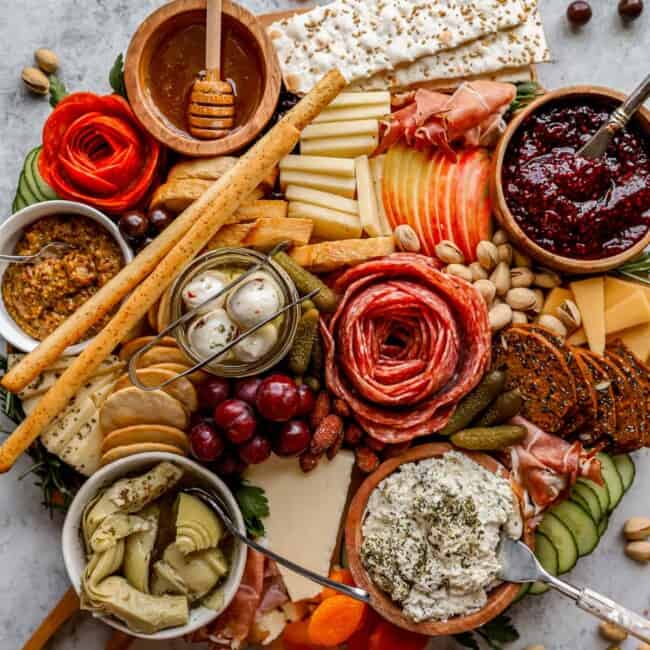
(590,298)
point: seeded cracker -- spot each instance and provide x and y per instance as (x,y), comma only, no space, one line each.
(507,48)
(364,37)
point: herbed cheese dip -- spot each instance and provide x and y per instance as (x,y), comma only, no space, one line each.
(430,535)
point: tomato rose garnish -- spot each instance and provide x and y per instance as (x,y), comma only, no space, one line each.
(95,151)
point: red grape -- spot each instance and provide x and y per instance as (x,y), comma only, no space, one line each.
(306,400)
(237,419)
(206,442)
(199,418)
(212,392)
(255,451)
(228,464)
(246,389)
(294,438)
(277,398)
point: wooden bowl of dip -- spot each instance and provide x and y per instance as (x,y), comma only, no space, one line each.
(506,218)
(499,598)
(165,56)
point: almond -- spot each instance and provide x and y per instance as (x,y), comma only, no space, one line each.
(637,528)
(366,459)
(326,434)
(612,632)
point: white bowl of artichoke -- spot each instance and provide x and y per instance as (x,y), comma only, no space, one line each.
(144,556)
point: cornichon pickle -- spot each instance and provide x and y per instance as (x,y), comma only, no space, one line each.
(307,305)
(504,407)
(305,282)
(478,400)
(489,438)
(301,350)
(313,383)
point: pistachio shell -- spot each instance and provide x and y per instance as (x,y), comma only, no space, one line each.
(501,278)
(521,299)
(486,289)
(478,272)
(500,237)
(519,318)
(449,253)
(505,253)
(520,259)
(521,276)
(547,279)
(406,239)
(499,316)
(487,255)
(460,271)
(612,632)
(539,295)
(36,81)
(639,551)
(554,324)
(46,60)
(569,314)
(637,528)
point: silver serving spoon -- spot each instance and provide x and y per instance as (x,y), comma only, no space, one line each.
(597,145)
(214,502)
(519,564)
(53,249)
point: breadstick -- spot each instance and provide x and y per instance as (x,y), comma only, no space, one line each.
(216,205)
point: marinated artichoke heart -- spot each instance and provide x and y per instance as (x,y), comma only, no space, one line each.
(100,566)
(194,575)
(197,526)
(115,527)
(139,549)
(141,612)
(130,495)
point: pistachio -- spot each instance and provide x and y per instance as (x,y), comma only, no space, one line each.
(637,528)
(519,318)
(36,81)
(46,60)
(500,237)
(569,314)
(487,255)
(499,316)
(478,272)
(449,253)
(539,303)
(535,647)
(460,271)
(521,259)
(406,239)
(521,299)
(639,551)
(521,276)
(547,279)
(501,278)
(486,289)
(552,323)
(612,632)
(505,253)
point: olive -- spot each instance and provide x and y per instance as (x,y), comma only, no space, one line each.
(143,243)
(579,12)
(160,218)
(134,224)
(630,9)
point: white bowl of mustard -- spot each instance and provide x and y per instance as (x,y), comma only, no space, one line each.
(74,554)
(11,232)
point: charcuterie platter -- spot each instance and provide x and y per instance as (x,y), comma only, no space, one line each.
(326,320)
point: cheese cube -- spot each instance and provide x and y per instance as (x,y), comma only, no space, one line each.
(632,310)
(590,298)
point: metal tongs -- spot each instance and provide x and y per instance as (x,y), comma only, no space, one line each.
(132,366)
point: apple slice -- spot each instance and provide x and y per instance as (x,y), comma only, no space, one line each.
(426,207)
(417,169)
(388,186)
(477,209)
(466,169)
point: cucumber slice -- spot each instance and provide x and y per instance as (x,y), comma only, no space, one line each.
(525,588)
(602,526)
(601,492)
(28,176)
(627,471)
(548,558)
(562,539)
(19,203)
(588,499)
(578,520)
(25,192)
(612,479)
(45,190)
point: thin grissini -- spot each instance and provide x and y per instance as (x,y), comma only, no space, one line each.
(72,330)
(219,202)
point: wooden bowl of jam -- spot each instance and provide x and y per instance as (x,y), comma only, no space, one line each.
(567,213)
(165,57)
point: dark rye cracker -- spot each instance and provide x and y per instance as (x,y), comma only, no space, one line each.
(603,426)
(537,369)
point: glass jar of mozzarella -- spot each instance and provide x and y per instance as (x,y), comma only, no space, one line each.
(247,304)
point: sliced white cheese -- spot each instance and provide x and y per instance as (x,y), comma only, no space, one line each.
(360,99)
(338,129)
(377,172)
(328,224)
(343,186)
(345,146)
(84,449)
(324,199)
(318,165)
(371,219)
(346,114)
(306,511)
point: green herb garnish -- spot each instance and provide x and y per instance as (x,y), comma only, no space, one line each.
(637,269)
(527,91)
(116,76)
(254,507)
(495,634)
(57,90)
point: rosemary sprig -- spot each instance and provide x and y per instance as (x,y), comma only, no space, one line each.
(637,269)
(527,91)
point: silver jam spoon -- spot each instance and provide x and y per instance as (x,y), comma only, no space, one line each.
(597,145)
(53,249)
(519,564)
(214,502)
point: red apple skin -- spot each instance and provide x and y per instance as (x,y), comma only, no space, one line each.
(477,210)
(462,226)
(390,179)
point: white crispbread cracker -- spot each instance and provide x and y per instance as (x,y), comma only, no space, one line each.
(364,37)
(518,46)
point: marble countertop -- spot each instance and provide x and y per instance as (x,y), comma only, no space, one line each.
(87,35)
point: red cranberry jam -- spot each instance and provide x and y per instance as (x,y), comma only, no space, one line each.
(570,206)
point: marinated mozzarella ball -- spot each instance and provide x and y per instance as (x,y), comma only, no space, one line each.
(201,287)
(212,332)
(255,300)
(256,345)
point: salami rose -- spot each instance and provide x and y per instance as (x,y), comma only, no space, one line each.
(96,152)
(406,343)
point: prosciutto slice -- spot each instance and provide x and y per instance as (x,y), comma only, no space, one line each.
(472,116)
(405,344)
(547,466)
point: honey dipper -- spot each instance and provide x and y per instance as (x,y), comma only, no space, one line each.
(212,102)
